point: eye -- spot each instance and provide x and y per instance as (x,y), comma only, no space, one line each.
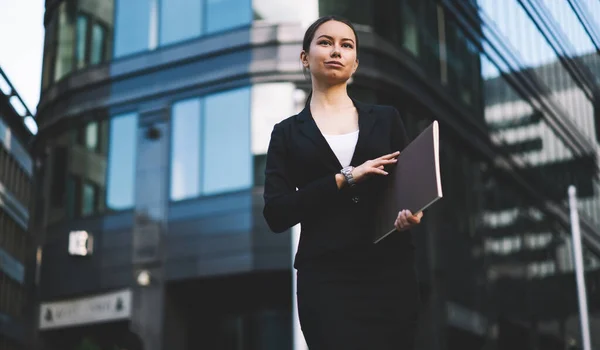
(348,45)
(324,42)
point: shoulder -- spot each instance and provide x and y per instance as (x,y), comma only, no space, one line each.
(286,125)
(378,110)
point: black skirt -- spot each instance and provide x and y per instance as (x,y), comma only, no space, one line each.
(359,302)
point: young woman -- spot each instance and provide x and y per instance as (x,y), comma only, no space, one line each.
(325,170)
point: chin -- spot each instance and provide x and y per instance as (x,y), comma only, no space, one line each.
(334,78)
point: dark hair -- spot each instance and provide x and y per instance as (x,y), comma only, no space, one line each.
(309,35)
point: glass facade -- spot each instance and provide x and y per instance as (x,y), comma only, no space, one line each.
(93,168)
(132,26)
(147,24)
(78,35)
(121,161)
(210,150)
(505,246)
(180,20)
(186,149)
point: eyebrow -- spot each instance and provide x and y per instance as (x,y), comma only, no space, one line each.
(331,38)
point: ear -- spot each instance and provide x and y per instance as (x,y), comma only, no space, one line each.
(304,58)
(355,66)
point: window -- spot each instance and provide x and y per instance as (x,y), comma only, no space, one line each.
(226,136)
(410,38)
(132,26)
(88,200)
(91,136)
(93,168)
(180,20)
(121,161)
(185,150)
(227,14)
(98,40)
(205,132)
(82,24)
(66,36)
(77,36)
(144,24)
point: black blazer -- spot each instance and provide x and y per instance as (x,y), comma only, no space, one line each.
(300,184)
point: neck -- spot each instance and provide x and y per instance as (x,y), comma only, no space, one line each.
(330,97)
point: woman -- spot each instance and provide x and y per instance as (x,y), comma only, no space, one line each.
(325,169)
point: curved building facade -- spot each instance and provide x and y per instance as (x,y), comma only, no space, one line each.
(154,120)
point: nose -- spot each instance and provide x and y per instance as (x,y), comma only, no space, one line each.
(335,51)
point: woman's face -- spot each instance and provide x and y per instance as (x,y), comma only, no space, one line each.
(332,55)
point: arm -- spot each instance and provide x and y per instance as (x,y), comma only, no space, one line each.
(284,206)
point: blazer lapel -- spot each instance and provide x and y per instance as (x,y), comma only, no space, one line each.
(309,128)
(365,125)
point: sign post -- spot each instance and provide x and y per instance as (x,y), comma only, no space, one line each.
(579,269)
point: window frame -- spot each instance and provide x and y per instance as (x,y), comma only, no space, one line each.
(202,148)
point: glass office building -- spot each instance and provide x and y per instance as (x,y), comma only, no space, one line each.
(17,267)
(155,117)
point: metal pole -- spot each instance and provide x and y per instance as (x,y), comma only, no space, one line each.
(299,342)
(579,269)
(299,98)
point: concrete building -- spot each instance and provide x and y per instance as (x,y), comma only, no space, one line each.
(17,249)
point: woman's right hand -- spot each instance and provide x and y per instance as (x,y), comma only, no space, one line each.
(374,167)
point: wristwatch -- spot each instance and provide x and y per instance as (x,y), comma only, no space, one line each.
(347,172)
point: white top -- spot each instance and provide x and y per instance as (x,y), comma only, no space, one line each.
(343,146)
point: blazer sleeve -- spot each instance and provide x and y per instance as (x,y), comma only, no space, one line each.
(284,205)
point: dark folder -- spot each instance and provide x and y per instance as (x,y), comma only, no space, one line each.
(414,183)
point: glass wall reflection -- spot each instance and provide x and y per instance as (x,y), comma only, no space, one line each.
(121,161)
(210,150)
(504,248)
(541,61)
(78,34)
(285,11)
(93,168)
(147,24)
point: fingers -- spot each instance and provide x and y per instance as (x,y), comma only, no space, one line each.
(379,162)
(406,220)
(402,221)
(389,156)
(378,171)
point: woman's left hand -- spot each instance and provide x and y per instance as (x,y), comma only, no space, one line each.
(406,220)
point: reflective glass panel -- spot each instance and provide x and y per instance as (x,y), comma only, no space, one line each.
(226,14)
(98,39)
(82,25)
(180,20)
(185,149)
(122,145)
(66,39)
(132,26)
(227,160)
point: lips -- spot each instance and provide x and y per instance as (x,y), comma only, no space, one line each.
(334,63)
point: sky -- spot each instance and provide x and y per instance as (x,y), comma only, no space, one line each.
(21,46)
